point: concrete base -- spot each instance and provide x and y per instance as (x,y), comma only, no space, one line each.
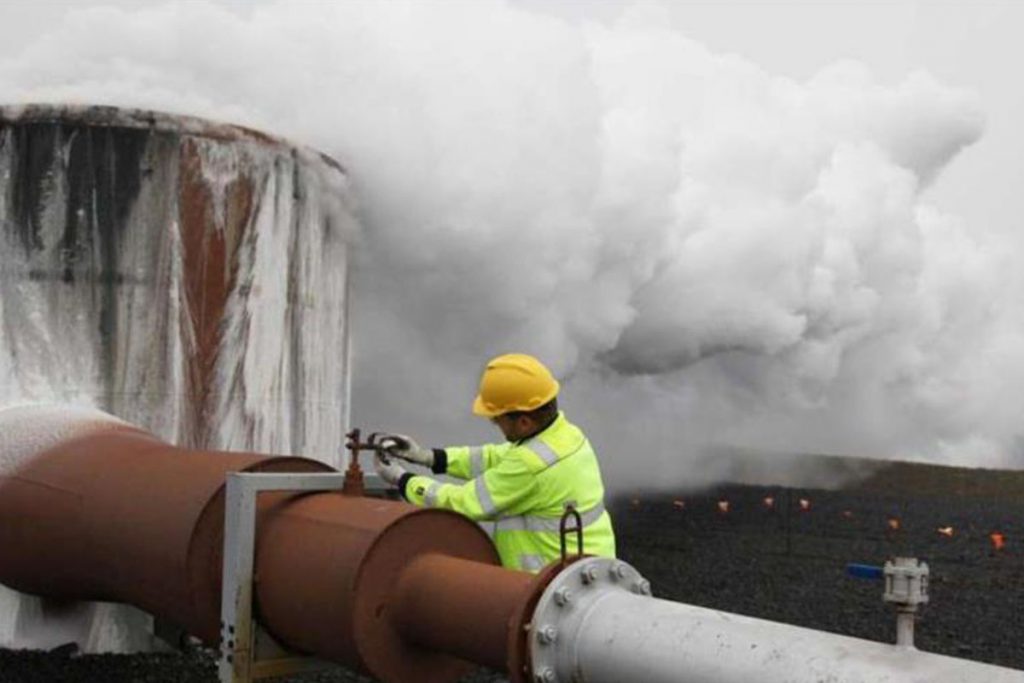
(30,623)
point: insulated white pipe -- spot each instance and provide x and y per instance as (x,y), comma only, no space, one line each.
(597,626)
(633,638)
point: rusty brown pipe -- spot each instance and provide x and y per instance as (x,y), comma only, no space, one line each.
(425,596)
(114,514)
(328,566)
(451,605)
(105,511)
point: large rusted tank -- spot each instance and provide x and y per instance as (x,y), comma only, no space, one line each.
(187,276)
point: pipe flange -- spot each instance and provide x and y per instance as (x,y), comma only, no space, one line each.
(564,605)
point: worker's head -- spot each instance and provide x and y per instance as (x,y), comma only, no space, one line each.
(518,425)
(518,394)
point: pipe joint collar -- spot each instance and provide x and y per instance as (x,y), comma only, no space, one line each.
(563,608)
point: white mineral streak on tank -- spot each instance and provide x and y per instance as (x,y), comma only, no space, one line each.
(112,224)
(279,333)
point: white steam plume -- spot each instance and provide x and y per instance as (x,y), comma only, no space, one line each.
(709,254)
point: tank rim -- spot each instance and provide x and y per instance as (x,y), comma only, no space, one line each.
(99,115)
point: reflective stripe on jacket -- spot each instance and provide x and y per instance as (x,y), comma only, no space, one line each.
(523,488)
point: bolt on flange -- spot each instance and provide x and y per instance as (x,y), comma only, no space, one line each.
(547,675)
(547,635)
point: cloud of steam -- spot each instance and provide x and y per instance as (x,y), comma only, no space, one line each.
(708,254)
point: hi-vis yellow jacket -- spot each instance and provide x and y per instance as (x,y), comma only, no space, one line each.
(524,487)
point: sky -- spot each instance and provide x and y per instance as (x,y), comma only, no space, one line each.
(963,43)
(756,225)
(969,43)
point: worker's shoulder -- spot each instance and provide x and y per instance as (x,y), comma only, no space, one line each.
(552,445)
(564,436)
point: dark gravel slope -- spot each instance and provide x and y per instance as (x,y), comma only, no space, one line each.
(791,567)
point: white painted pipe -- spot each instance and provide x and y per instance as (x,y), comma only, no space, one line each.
(595,624)
(644,639)
(905,627)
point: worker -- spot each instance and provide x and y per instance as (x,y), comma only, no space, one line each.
(523,485)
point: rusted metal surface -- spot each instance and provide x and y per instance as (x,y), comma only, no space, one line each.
(354,484)
(120,516)
(329,566)
(400,592)
(99,116)
(211,231)
(155,251)
(450,605)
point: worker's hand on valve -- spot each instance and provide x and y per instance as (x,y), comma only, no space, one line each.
(391,472)
(404,448)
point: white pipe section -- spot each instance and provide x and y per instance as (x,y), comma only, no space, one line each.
(595,625)
(645,639)
(905,628)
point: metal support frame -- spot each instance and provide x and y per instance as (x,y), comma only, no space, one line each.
(247,652)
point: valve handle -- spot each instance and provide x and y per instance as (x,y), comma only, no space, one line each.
(865,571)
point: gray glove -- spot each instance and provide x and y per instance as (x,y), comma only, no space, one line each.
(404,448)
(391,472)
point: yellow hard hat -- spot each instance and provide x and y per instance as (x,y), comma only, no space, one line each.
(514,382)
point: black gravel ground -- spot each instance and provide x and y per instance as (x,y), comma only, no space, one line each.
(776,562)
(790,566)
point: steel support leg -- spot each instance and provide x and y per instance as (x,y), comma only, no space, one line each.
(246,652)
